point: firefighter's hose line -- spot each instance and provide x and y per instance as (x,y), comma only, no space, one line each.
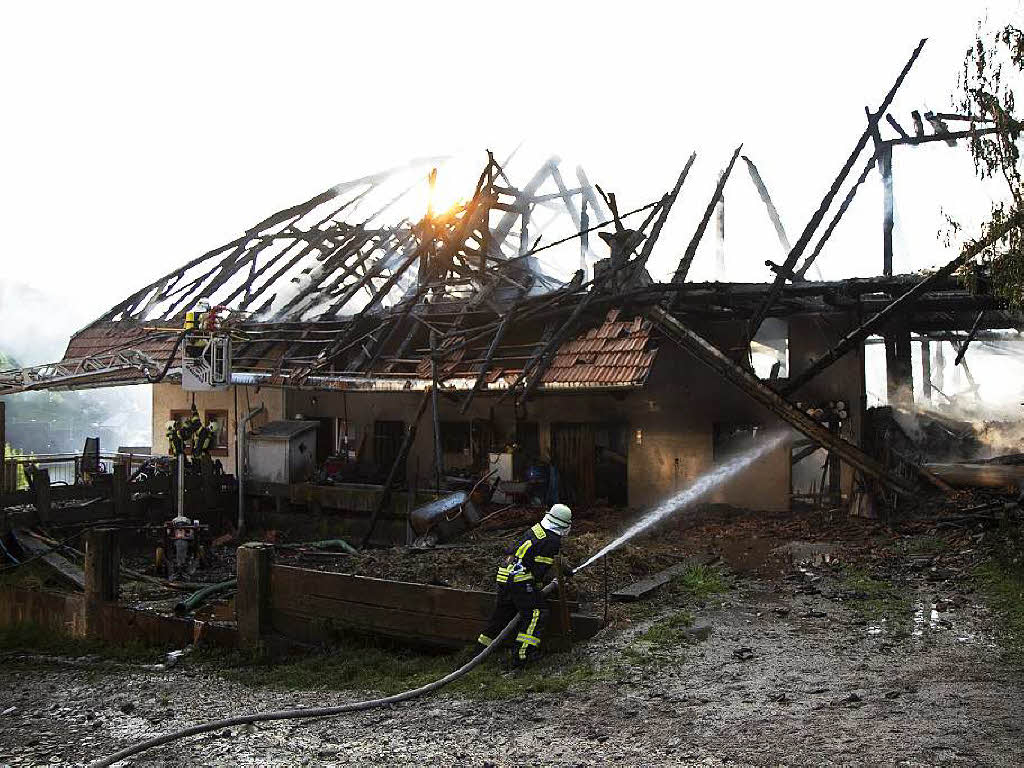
(296,714)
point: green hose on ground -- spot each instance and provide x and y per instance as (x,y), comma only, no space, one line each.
(293,714)
(196,599)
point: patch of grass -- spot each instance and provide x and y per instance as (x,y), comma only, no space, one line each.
(874,599)
(669,631)
(363,664)
(926,545)
(660,643)
(1002,584)
(31,638)
(699,582)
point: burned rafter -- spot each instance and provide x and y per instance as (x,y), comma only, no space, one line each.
(826,202)
(691,250)
(766,198)
(800,273)
(970,337)
(904,302)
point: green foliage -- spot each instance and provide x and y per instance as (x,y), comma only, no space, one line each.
(1001,581)
(874,599)
(7,362)
(699,582)
(986,91)
(33,639)
(669,631)
(20,480)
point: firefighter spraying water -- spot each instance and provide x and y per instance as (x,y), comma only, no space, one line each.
(560,520)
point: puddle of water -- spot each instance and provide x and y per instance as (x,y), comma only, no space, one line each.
(920,620)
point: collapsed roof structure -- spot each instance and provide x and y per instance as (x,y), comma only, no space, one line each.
(506,294)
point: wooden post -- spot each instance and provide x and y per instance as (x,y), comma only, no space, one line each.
(3,448)
(120,490)
(252,602)
(41,480)
(906,365)
(885,166)
(899,372)
(102,576)
(926,370)
(210,489)
(438,447)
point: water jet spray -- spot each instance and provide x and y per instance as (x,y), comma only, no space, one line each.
(679,501)
(697,490)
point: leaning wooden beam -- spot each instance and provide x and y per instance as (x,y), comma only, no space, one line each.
(485,366)
(746,381)
(815,221)
(645,253)
(970,337)
(835,219)
(857,336)
(399,461)
(62,567)
(773,213)
(691,249)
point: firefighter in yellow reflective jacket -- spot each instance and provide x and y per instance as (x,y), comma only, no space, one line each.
(520,580)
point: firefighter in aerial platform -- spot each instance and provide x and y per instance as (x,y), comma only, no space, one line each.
(520,581)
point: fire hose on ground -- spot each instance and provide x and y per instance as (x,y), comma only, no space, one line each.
(298,714)
(681,500)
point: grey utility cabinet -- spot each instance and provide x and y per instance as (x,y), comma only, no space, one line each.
(283,452)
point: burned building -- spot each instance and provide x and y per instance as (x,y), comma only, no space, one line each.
(528,346)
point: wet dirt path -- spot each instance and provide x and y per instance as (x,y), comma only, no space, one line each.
(811,659)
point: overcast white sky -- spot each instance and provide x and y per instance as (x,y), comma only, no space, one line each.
(136,136)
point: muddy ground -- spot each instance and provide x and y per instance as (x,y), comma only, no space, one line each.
(815,642)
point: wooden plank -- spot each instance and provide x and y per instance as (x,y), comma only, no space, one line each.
(425,598)
(641,589)
(311,606)
(33,548)
(1000,476)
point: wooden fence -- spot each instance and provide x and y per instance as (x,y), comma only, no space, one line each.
(315,607)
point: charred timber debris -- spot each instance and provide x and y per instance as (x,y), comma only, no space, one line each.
(327,295)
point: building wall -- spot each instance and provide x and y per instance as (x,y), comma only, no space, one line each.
(675,414)
(168,397)
(810,337)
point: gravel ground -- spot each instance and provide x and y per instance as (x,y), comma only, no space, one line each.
(798,669)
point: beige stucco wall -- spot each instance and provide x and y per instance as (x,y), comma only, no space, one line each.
(676,414)
(169,397)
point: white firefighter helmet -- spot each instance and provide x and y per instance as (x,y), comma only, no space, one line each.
(558,520)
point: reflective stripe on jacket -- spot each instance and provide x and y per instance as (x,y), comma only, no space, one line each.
(531,557)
